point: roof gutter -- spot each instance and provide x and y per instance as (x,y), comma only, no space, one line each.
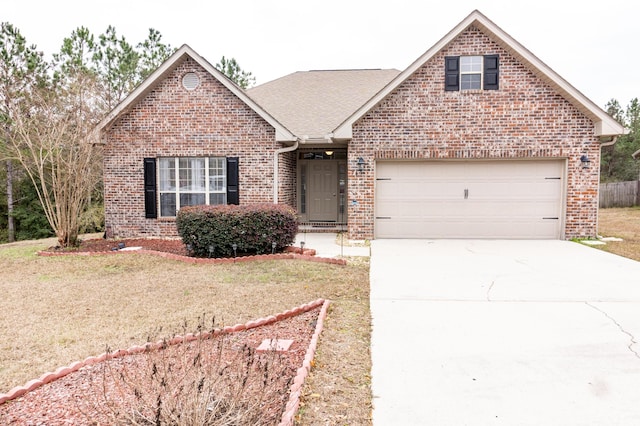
(276,165)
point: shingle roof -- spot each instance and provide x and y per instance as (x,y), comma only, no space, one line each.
(314,103)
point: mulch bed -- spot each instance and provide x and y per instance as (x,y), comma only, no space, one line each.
(103,392)
(166,245)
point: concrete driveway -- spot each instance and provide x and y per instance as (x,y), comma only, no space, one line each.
(473,332)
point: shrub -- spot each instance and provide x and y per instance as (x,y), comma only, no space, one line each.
(253,228)
(207,380)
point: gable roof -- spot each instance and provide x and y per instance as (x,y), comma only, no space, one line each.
(313,103)
(605,125)
(282,133)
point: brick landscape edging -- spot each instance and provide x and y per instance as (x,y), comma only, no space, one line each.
(294,391)
(291,408)
(292,253)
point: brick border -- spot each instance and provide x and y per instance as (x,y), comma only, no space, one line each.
(291,253)
(294,391)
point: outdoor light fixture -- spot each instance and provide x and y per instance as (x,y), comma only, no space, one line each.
(329,153)
(360,164)
(273,247)
(235,248)
(301,246)
(585,162)
(212,248)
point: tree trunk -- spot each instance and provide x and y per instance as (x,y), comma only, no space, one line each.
(11,228)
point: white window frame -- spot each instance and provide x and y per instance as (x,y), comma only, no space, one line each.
(473,68)
(178,191)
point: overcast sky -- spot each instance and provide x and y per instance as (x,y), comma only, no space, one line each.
(594,45)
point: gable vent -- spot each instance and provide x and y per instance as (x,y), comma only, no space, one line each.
(190,81)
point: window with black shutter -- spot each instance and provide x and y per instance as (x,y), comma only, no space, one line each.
(189,181)
(471,72)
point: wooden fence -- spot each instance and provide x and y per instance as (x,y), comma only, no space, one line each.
(620,194)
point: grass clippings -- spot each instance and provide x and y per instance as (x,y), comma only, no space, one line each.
(57,310)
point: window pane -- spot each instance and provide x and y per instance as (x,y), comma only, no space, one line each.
(470,81)
(216,184)
(191,199)
(217,175)
(192,174)
(470,64)
(218,198)
(167,174)
(168,204)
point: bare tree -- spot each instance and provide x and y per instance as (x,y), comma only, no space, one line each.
(54,145)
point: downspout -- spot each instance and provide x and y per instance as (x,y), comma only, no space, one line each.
(275,167)
(611,142)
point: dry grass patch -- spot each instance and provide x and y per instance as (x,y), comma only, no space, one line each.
(57,310)
(623,223)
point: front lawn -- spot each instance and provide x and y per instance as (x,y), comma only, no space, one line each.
(57,310)
(623,223)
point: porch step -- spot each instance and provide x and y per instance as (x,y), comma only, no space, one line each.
(322,227)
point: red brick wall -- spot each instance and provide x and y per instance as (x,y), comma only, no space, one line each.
(525,118)
(171,121)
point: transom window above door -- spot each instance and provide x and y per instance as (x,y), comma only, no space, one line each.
(323,154)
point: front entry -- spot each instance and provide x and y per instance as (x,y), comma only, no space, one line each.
(322,191)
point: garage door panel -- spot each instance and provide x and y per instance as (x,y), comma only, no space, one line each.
(469,199)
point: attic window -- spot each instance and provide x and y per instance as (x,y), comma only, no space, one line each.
(471,73)
(190,81)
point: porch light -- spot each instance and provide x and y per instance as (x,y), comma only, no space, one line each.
(360,164)
(329,153)
(586,162)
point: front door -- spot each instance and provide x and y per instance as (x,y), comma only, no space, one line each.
(322,191)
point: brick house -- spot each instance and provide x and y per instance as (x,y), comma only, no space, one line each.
(476,139)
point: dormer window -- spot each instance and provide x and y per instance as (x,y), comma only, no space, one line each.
(471,72)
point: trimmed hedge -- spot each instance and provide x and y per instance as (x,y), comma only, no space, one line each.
(252,227)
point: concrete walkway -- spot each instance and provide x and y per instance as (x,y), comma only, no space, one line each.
(330,244)
(504,333)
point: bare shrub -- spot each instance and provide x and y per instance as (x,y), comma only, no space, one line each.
(206,379)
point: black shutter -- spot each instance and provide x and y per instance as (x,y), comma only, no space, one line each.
(491,72)
(452,73)
(150,205)
(233,193)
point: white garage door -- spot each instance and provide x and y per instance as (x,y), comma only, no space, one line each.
(469,199)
